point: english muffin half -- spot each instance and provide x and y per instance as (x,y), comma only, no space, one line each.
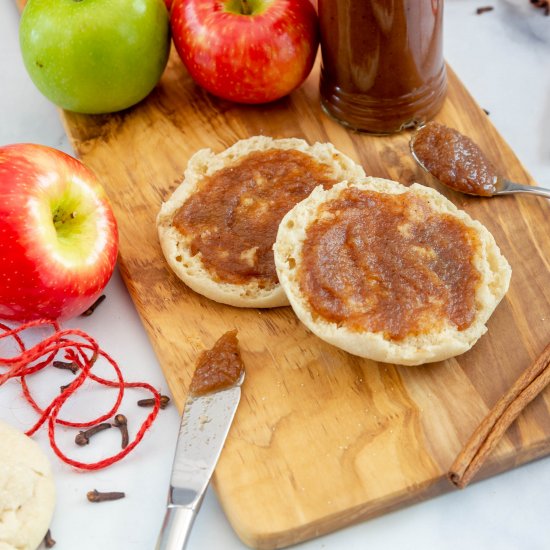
(218,228)
(391,273)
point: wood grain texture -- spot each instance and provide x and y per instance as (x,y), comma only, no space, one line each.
(321,438)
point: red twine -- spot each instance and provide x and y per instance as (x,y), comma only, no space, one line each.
(84,351)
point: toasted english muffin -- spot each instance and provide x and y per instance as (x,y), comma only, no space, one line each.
(391,273)
(218,228)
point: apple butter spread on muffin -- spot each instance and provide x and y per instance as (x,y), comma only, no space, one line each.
(390,273)
(218,228)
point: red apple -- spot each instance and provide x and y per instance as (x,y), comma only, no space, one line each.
(248,51)
(58,235)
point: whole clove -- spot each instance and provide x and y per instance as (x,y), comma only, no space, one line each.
(164,400)
(484,9)
(49,542)
(121,422)
(93,307)
(543,4)
(66,365)
(96,496)
(83,437)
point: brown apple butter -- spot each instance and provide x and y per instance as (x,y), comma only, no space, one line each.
(383,67)
(390,264)
(233,218)
(455,160)
(218,368)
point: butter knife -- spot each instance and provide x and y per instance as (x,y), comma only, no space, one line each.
(205,423)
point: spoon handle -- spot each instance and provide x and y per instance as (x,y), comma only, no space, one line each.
(509,187)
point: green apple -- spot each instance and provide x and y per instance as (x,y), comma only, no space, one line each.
(95,56)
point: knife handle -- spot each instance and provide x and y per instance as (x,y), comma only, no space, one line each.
(175,528)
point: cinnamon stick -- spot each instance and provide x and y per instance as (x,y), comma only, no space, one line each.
(494,425)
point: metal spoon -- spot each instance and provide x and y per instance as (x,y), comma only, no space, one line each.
(502,185)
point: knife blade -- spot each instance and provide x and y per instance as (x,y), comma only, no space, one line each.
(205,423)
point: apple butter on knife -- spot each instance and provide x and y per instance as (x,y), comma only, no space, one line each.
(218,368)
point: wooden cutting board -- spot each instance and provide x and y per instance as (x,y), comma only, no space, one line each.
(322,439)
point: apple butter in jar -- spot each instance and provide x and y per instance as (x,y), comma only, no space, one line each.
(382,62)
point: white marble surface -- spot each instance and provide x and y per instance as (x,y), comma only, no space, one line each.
(504,59)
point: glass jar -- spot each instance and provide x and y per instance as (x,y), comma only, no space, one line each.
(382,62)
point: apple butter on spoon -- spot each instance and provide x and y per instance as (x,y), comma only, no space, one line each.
(457,162)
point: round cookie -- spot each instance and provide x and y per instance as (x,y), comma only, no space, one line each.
(369,267)
(243,215)
(27,491)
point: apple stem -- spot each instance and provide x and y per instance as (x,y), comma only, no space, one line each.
(245,7)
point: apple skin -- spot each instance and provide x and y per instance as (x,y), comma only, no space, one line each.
(95,56)
(50,272)
(254,58)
